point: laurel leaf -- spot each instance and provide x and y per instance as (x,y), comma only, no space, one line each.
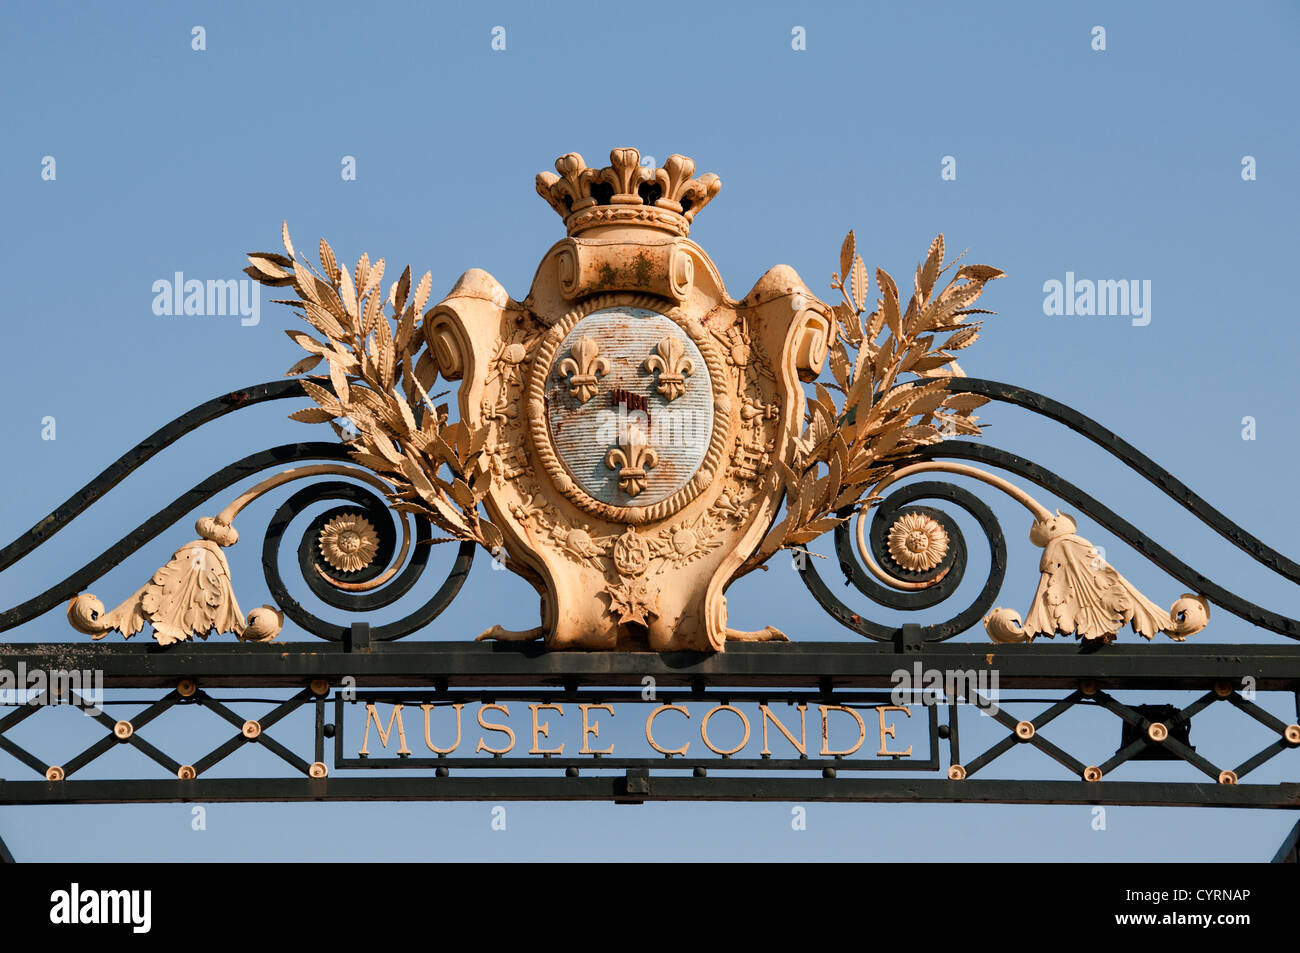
(422,291)
(322,320)
(980,272)
(328,262)
(312,415)
(839,361)
(889,303)
(269,268)
(848,251)
(284,235)
(490,535)
(303,366)
(851,323)
(858,283)
(362,275)
(265,279)
(374,278)
(963,338)
(965,403)
(397,294)
(348,295)
(930,271)
(323,397)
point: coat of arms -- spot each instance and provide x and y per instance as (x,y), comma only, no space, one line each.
(628,437)
(628,432)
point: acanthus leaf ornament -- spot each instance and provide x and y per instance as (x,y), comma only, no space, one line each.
(190,597)
(1081,594)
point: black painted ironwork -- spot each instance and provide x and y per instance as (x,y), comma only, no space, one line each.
(1078,677)
(449,673)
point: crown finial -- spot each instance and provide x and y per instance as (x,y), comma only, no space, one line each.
(626,192)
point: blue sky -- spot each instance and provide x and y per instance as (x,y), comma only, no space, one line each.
(1117,164)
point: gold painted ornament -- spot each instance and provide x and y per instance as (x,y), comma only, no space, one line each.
(348,542)
(627,433)
(917,542)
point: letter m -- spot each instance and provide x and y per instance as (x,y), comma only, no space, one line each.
(221,294)
(384,733)
(115,906)
(1112,297)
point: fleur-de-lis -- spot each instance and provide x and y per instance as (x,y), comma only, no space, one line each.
(632,458)
(583,368)
(673,366)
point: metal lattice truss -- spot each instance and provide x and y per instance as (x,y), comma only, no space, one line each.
(453,673)
(127,732)
(1152,738)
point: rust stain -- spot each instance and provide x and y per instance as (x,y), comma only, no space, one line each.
(632,401)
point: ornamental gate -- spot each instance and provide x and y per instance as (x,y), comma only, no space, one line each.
(631,440)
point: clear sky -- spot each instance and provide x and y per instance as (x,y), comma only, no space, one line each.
(1122,163)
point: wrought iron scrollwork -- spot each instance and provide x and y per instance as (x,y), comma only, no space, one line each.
(933,585)
(356,590)
(373,586)
(908,589)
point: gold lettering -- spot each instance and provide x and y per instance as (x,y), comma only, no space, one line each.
(544,729)
(649,729)
(802,744)
(505,729)
(593,730)
(432,747)
(704,729)
(880,711)
(384,733)
(826,745)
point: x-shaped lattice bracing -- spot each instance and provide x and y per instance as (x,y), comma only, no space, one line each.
(1149,733)
(250,731)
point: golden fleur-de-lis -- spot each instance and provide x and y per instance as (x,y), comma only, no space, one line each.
(673,366)
(583,368)
(632,458)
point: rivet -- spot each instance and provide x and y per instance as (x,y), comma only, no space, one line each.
(320,686)
(1292,734)
(1092,773)
(1088,686)
(1223,688)
(1158,732)
(123,730)
(54,773)
(318,769)
(956,773)
(251,730)
(1227,777)
(1024,730)
(186,688)
(186,772)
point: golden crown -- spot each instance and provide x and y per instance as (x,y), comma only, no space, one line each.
(627,193)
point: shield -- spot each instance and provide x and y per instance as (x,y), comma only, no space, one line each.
(629,406)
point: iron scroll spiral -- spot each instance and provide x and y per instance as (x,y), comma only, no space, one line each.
(939,582)
(317,572)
